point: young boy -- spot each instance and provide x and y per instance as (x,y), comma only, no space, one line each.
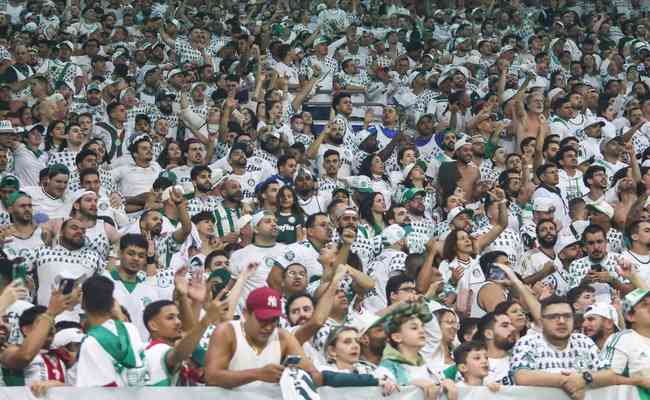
(472,365)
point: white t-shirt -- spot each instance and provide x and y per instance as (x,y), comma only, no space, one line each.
(303,252)
(387,264)
(155,357)
(266,257)
(135,302)
(628,353)
(96,367)
(131,180)
(48,205)
(499,371)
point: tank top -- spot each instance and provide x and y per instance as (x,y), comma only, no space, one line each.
(22,247)
(97,240)
(246,357)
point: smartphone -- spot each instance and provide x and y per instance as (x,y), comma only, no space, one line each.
(291,360)
(597,268)
(67,285)
(496,273)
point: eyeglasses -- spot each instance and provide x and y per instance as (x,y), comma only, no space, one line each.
(557,317)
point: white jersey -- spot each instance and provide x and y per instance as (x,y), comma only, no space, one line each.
(642,264)
(627,352)
(135,300)
(533,262)
(23,247)
(266,257)
(499,371)
(96,367)
(155,357)
(389,263)
(51,262)
(131,180)
(246,357)
(97,240)
(303,252)
(47,205)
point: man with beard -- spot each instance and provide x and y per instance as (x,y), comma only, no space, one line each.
(50,200)
(611,149)
(165,245)
(132,290)
(229,212)
(69,259)
(195,155)
(413,200)
(306,316)
(132,180)
(264,251)
(462,173)
(595,179)
(202,200)
(499,335)
(437,151)
(168,347)
(599,268)
(601,214)
(365,246)
(548,189)
(310,200)
(557,357)
(23,236)
(264,159)
(567,248)
(537,263)
(114,132)
(388,263)
(164,101)
(99,234)
(600,321)
(94,103)
(237,162)
(331,138)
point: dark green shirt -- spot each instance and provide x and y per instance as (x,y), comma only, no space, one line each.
(288,227)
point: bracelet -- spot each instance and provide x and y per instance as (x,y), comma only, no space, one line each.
(48,318)
(151,259)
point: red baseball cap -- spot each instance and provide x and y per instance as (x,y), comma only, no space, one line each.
(265,303)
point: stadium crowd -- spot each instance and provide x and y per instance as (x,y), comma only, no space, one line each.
(305,193)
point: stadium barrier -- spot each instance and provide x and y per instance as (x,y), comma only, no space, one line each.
(366,393)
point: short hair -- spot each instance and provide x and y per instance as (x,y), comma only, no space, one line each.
(559,102)
(283,159)
(544,221)
(591,171)
(97,294)
(554,299)
(87,171)
(133,239)
(83,154)
(111,106)
(591,229)
(465,326)
(394,282)
(461,352)
(153,309)
(196,171)
(487,322)
(563,150)
(295,297)
(574,294)
(311,220)
(336,101)
(573,203)
(488,259)
(525,142)
(331,152)
(542,169)
(29,315)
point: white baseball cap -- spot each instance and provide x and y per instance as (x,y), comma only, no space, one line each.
(564,241)
(543,204)
(603,310)
(67,336)
(603,207)
(393,234)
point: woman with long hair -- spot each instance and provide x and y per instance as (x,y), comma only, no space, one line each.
(290,216)
(55,136)
(74,141)
(373,213)
(171,156)
(373,167)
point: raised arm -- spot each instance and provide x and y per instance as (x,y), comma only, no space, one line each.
(498,196)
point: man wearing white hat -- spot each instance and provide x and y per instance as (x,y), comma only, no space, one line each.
(388,263)
(264,251)
(567,249)
(601,214)
(600,321)
(100,236)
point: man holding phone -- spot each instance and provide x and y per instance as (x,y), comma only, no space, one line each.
(254,351)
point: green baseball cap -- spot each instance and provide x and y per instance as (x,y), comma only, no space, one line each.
(410,193)
(170,176)
(12,198)
(11,181)
(633,298)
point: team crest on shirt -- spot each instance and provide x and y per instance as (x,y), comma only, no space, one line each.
(103,206)
(289,255)
(269,262)
(292,219)
(146,301)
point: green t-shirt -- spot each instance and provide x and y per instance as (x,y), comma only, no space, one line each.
(288,227)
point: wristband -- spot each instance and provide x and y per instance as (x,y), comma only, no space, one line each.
(48,318)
